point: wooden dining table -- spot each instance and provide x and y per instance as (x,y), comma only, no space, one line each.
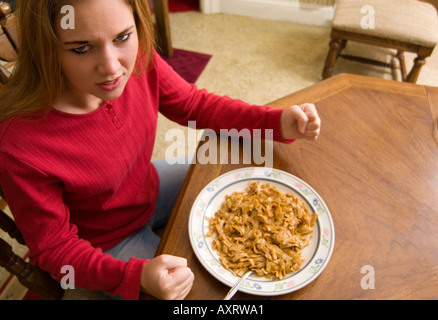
(375,165)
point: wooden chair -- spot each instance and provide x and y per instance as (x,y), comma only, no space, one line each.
(33,278)
(8,40)
(404,25)
(164,40)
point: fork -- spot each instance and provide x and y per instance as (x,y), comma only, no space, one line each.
(234,289)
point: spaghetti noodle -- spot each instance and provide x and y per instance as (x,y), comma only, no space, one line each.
(263,230)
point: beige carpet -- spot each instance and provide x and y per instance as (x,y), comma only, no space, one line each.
(260,61)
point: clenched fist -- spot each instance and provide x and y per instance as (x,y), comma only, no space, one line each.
(300,122)
(167,277)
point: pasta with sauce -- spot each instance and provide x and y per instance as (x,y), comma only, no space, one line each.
(263,230)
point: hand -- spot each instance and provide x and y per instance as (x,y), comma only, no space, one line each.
(300,122)
(167,277)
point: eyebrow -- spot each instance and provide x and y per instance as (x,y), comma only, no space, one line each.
(82,42)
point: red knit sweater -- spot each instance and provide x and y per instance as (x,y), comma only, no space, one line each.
(79,184)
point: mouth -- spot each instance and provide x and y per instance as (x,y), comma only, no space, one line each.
(110,84)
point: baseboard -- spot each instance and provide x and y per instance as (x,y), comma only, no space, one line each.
(279,10)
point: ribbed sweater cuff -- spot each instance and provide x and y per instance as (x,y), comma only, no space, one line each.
(129,289)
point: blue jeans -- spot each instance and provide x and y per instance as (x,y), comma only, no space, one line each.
(144,243)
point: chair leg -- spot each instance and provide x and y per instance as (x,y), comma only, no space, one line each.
(401,58)
(335,47)
(419,62)
(33,278)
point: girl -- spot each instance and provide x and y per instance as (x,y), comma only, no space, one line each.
(78,121)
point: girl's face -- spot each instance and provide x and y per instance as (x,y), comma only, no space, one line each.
(98,55)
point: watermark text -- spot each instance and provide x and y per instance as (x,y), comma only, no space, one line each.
(225,150)
(68,281)
(368,280)
(368,20)
(68,18)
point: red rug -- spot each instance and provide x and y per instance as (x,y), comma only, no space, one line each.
(183,5)
(188,64)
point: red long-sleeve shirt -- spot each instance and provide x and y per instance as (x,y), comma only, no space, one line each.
(79,184)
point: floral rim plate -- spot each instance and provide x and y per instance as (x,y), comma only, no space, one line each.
(317,254)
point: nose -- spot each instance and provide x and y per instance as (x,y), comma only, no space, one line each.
(108,61)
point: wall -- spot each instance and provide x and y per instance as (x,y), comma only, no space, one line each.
(310,12)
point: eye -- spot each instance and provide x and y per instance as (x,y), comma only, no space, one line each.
(123,37)
(81,50)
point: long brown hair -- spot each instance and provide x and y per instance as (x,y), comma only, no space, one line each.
(37,79)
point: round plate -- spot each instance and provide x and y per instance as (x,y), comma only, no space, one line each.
(317,254)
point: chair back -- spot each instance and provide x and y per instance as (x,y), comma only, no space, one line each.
(8,40)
